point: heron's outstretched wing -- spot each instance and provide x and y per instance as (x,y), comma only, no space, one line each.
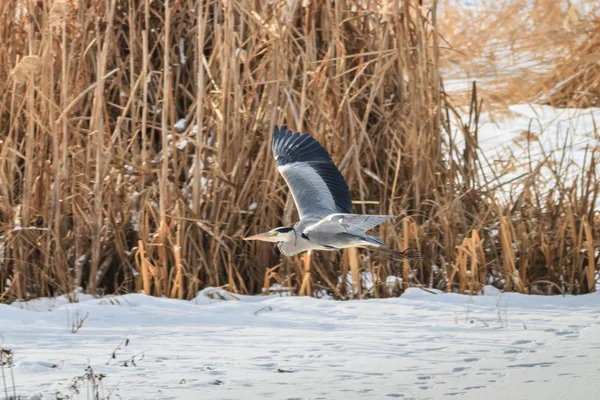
(352,223)
(316,184)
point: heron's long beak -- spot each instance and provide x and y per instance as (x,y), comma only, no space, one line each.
(265,237)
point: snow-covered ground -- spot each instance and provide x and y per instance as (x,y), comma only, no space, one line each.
(419,346)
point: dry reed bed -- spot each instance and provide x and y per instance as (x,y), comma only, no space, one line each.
(524,50)
(575,82)
(102,188)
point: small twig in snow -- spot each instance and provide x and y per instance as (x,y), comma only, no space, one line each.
(267,308)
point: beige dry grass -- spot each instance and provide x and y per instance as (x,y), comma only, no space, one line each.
(575,82)
(101,188)
(542,50)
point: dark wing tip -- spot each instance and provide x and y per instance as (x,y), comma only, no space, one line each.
(292,147)
(280,130)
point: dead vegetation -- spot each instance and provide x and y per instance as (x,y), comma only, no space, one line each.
(543,50)
(135,153)
(77,321)
(575,82)
(90,383)
(8,376)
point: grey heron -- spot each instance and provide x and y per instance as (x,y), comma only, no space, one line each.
(323,201)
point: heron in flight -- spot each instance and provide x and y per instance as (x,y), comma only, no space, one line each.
(323,202)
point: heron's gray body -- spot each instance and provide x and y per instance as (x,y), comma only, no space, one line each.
(321,196)
(323,234)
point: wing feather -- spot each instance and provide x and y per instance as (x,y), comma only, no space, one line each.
(316,184)
(338,223)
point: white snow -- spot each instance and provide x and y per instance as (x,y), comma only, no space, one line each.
(182,144)
(534,136)
(220,345)
(180,125)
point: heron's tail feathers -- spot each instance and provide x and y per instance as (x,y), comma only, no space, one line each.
(410,254)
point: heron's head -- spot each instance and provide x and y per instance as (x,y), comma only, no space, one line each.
(282,234)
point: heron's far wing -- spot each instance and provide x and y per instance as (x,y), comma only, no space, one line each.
(316,184)
(335,223)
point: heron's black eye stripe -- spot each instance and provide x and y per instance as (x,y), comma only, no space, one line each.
(284,230)
(304,236)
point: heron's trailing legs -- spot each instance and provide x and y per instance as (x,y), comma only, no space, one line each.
(409,254)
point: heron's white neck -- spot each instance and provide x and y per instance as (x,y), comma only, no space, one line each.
(287,236)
